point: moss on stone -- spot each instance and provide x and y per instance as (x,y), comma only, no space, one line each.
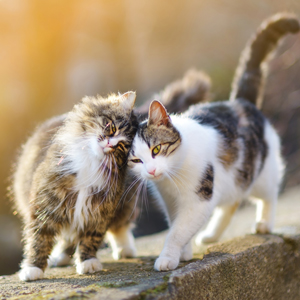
(150,293)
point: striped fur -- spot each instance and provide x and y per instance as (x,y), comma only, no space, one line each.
(69,182)
(251,72)
(225,151)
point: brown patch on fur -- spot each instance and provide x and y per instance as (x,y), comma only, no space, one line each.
(205,189)
(229,155)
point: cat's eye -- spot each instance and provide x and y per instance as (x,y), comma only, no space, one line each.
(156,150)
(136,161)
(113,127)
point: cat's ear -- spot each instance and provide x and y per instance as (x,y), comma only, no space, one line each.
(128,100)
(158,114)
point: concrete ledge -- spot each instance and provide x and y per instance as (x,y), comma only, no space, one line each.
(251,267)
(259,267)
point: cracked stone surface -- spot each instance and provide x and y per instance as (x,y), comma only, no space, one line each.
(239,267)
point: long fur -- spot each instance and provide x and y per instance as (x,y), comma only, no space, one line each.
(69,182)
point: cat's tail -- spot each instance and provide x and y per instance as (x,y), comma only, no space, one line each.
(249,77)
(178,95)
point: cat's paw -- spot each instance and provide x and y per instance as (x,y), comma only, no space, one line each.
(59,260)
(262,228)
(205,238)
(166,263)
(124,252)
(186,254)
(30,273)
(91,265)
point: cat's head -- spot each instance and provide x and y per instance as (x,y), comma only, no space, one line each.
(101,127)
(152,153)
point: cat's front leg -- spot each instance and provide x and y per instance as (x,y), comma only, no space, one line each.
(187,252)
(191,216)
(39,240)
(86,261)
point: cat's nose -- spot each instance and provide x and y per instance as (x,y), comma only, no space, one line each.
(152,172)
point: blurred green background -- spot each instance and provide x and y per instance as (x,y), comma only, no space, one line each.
(54,52)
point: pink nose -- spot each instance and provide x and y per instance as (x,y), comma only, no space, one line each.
(152,172)
(108,144)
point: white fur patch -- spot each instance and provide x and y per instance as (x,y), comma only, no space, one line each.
(59,260)
(30,273)
(91,265)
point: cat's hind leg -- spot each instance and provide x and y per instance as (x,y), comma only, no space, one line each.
(218,223)
(265,215)
(122,242)
(119,232)
(265,195)
(62,253)
(266,187)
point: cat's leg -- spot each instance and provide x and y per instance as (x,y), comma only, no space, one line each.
(265,215)
(62,253)
(187,252)
(265,189)
(267,185)
(119,233)
(86,260)
(218,223)
(122,242)
(39,240)
(192,214)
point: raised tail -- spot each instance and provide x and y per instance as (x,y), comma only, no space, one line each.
(178,95)
(251,72)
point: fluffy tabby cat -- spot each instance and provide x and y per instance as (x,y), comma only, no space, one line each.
(69,181)
(214,154)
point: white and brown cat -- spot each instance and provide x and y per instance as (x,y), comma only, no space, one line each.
(206,160)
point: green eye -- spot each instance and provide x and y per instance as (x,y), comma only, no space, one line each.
(113,127)
(156,150)
(136,161)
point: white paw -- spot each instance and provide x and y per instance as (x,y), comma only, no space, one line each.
(165,263)
(186,254)
(125,252)
(262,227)
(91,265)
(30,273)
(60,260)
(205,238)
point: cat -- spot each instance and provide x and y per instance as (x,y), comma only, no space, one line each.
(69,181)
(213,155)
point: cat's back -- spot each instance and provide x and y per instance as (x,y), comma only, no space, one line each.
(245,136)
(230,118)
(32,154)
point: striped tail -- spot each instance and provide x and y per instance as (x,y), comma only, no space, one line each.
(251,72)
